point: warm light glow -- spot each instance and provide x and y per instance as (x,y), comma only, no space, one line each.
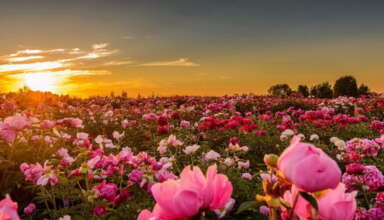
(21,59)
(31,66)
(40,81)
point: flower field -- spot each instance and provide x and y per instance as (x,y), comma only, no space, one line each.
(230,157)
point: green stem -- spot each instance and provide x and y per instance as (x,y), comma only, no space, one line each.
(272,214)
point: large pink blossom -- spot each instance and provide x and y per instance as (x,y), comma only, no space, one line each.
(8,209)
(185,197)
(308,167)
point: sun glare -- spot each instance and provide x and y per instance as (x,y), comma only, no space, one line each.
(40,82)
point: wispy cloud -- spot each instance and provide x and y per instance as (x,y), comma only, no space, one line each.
(32,66)
(127,37)
(180,62)
(36,51)
(100,46)
(118,63)
(23,58)
(99,51)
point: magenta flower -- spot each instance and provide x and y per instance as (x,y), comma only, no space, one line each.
(31,207)
(106,191)
(99,210)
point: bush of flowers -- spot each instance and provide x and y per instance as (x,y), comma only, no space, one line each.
(161,158)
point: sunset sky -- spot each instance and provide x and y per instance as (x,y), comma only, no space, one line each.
(181,47)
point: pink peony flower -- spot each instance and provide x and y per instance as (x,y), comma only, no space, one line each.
(8,209)
(106,191)
(185,197)
(7,133)
(31,207)
(135,175)
(99,210)
(355,168)
(244,165)
(308,167)
(373,178)
(337,204)
(185,124)
(47,124)
(17,122)
(380,200)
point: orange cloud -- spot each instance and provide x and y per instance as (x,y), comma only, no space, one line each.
(22,59)
(179,62)
(32,66)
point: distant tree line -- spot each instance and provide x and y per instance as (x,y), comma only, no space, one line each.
(344,86)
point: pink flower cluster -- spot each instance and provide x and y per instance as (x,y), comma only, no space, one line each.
(109,192)
(358,175)
(363,147)
(375,213)
(235,122)
(39,175)
(12,125)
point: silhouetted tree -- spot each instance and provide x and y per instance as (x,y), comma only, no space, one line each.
(303,89)
(323,90)
(280,90)
(346,86)
(363,90)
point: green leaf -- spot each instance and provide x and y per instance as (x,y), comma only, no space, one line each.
(113,217)
(246,206)
(78,217)
(310,199)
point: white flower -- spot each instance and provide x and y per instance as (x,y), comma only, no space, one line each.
(333,139)
(211,155)
(286,134)
(245,148)
(229,161)
(99,139)
(340,144)
(173,141)
(118,136)
(191,149)
(82,136)
(228,207)
(314,137)
(247,176)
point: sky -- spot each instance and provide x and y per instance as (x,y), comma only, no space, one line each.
(180,47)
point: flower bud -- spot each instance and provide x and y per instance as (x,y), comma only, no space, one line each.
(271,160)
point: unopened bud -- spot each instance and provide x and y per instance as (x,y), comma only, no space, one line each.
(271,160)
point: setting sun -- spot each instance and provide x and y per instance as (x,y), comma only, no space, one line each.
(40,81)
